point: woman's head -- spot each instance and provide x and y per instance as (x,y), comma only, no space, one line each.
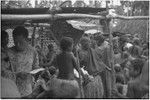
(66,44)
(20,33)
(136,41)
(125,55)
(117,68)
(50,47)
(99,39)
(4,38)
(136,66)
(85,43)
(134,51)
(120,79)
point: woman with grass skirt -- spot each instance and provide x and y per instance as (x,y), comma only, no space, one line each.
(94,66)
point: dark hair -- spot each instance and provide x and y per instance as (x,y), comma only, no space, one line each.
(136,41)
(37,46)
(137,64)
(85,35)
(4,36)
(50,46)
(85,42)
(100,39)
(120,78)
(45,75)
(20,31)
(134,51)
(117,68)
(52,70)
(125,55)
(65,43)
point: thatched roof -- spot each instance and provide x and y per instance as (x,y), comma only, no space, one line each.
(132,27)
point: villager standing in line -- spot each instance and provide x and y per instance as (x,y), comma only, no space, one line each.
(103,52)
(94,66)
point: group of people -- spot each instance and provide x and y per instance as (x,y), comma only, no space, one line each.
(88,69)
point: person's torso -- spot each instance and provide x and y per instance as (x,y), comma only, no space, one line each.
(65,65)
(22,61)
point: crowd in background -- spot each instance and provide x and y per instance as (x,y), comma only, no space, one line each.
(35,75)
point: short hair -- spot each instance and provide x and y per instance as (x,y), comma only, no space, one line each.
(117,68)
(100,39)
(125,55)
(20,31)
(120,78)
(85,42)
(137,64)
(85,35)
(123,39)
(4,36)
(50,46)
(136,41)
(65,43)
(134,51)
(37,46)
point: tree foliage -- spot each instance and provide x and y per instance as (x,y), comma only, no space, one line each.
(137,8)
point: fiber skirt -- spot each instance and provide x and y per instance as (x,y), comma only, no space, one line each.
(63,88)
(94,89)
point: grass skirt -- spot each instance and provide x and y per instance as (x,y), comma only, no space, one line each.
(24,83)
(9,89)
(63,88)
(94,89)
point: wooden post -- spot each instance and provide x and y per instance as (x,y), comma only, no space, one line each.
(113,86)
(80,77)
(33,36)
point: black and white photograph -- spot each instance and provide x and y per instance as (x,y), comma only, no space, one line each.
(74,49)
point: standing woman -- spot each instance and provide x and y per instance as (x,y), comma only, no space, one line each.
(94,66)
(23,59)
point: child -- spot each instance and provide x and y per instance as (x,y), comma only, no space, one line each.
(120,84)
(135,89)
(65,85)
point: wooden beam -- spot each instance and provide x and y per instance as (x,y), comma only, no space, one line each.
(47,17)
(130,17)
(10,17)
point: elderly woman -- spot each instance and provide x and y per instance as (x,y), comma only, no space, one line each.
(103,52)
(23,59)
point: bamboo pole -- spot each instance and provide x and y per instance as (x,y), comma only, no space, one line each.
(13,17)
(80,77)
(33,36)
(130,17)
